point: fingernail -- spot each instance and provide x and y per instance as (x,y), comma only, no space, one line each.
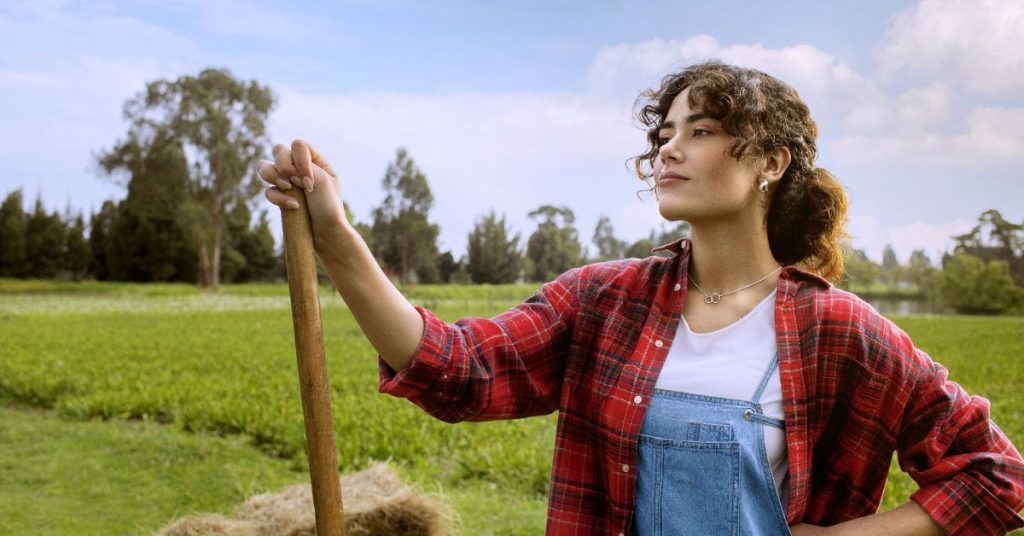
(283,184)
(308,181)
(291,203)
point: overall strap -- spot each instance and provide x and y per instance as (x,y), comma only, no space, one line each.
(765,378)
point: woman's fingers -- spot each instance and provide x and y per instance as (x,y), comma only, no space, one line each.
(281,199)
(266,170)
(284,165)
(300,165)
(305,157)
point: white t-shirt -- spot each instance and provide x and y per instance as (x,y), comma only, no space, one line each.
(729,363)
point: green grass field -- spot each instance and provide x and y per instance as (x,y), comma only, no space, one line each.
(161,401)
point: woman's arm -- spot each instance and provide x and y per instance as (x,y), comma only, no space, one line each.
(389,321)
(971,476)
(908,519)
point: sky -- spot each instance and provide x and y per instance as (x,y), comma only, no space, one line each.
(511,105)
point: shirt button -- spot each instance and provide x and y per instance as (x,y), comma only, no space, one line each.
(638,399)
(678,286)
(659,344)
(625,468)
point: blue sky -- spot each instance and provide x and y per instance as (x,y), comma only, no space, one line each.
(510,105)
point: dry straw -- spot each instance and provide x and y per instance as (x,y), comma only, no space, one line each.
(376,502)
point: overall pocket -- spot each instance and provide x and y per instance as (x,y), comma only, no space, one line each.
(692,484)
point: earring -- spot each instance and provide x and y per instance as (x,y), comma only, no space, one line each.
(763,185)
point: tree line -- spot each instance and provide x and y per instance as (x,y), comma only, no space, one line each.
(983,274)
(143,238)
(187,166)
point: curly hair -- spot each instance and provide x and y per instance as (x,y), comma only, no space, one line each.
(806,210)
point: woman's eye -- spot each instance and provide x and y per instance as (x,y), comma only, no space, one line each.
(662,141)
(697,132)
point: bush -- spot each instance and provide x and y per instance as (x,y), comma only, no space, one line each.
(972,286)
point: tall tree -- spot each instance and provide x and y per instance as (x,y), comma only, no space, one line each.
(919,269)
(220,124)
(446,267)
(100,225)
(404,238)
(149,236)
(554,247)
(77,256)
(608,247)
(493,254)
(249,249)
(44,242)
(995,238)
(13,223)
(890,265)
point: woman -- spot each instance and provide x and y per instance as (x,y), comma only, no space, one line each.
(729,389)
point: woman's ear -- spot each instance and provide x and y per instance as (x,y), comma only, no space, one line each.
(775,163)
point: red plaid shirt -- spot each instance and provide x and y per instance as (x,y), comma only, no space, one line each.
(592,342)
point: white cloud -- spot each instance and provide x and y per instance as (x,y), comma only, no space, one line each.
(625,69)
(514,151)
(828,87)
(976,42)
(992,139)
(912,111)
(934,238)
(920,127)
(869,234)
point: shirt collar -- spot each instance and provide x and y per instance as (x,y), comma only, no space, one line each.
(676,246)
(681,248)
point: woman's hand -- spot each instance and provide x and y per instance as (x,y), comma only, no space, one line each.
(302,166)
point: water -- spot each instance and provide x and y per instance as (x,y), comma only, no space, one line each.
(903,306)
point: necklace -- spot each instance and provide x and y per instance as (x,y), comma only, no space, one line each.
(716,297)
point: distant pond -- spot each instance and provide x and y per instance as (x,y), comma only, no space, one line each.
(890,306)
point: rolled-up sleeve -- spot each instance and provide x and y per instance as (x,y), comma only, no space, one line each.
(971,476)
(504,367)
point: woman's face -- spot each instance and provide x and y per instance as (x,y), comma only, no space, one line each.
(714,186)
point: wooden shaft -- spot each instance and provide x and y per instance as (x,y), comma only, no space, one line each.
(309,350)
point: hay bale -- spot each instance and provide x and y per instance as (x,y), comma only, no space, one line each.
(375,502)
(213,525)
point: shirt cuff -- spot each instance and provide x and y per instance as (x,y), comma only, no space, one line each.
(962,505)
(429,361)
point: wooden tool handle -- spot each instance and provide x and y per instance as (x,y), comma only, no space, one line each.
(309,350)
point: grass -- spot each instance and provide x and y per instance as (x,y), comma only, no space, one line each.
(210,365)
(119,477)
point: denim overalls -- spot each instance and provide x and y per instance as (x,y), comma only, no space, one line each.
(703,468)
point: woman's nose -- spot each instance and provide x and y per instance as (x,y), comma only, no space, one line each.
(669,152)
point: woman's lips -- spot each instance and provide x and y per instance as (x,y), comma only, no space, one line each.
(668,177)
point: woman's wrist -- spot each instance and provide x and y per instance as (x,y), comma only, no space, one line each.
(335,241)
